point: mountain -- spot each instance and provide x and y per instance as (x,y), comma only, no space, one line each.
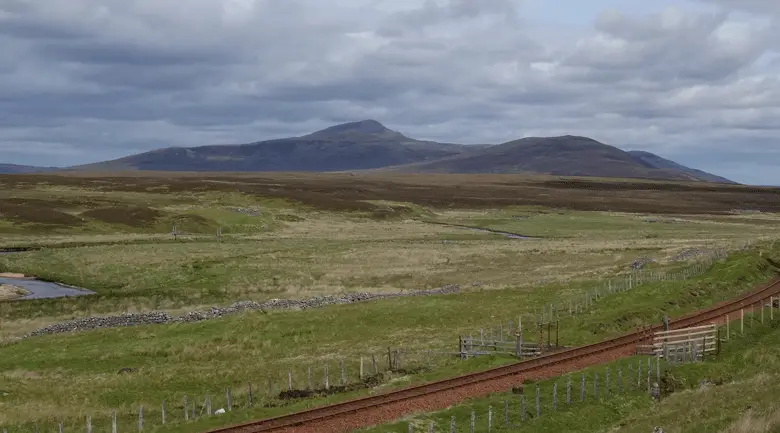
(654,161)
(359,145)
(562,156)
(20,169)
(368,145)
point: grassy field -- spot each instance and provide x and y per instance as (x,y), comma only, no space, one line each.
(296,237)
(741,396)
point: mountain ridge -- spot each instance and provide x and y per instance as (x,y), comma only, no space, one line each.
(368,145)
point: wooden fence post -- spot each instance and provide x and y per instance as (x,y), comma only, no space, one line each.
(452,424)
(361,368)
(742,321)
(410,428)
(473,422)
(89,424)
(327,381)
(595,386)
(490,418)
(620,380)
(60,425)
(506,413)
(762,312)
(113,422)
(249,395)
(289,381)
(555,396)
(582,387)
(162,408)
(186,413)
(343,376)
(430,427)
(373,363)
(728,327)
(568,391)
(228,399)
(141,418)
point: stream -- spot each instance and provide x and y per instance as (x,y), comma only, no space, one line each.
(41,289)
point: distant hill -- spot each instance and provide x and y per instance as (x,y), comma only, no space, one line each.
(654,161)
(20,169)
(563,156)
(351,146)
(368,145)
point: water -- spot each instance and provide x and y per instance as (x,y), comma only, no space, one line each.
(42,289)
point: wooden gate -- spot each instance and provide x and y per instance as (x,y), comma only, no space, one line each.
(694,342)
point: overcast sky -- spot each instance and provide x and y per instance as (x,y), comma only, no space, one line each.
(695,81)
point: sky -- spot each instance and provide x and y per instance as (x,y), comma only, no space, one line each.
(695,81)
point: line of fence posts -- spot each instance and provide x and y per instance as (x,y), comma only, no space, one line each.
(641,372)
(515,412)
(493,340)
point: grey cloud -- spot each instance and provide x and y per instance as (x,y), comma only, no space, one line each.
(99,79)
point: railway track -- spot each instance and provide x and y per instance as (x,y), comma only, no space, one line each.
(367,411)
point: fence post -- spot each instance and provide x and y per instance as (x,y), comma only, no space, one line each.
(473,422)
(327,382)
(742,321)
(361,368)
(228,399)
(249,396)
(162,407)
(89,425)
(343,376)
(595,386)
(606,384)
(4,431)
(658,369)
(506,412)
(568,391)
(410,428)
(141,418)
(208,406)
(490,418)
(582,387)
(538,403)
(620,380)
(639,375)
(771,308)
(186,413)
(113,422)
(762,312)
(452,424)
(308,378)
(430,427)
(555,396)
(522,408)
(289,381)
(648,378)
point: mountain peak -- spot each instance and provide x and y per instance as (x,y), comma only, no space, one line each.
(368,126)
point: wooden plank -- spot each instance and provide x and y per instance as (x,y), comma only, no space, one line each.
(682,330)
(684,338)
(661,337)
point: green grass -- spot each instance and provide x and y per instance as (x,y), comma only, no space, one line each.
(742,397)
(60,376)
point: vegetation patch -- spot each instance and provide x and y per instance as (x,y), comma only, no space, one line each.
(133,216)
(36,214)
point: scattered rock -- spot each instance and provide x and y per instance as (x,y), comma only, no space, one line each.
(219,411)
(658,430)
(641,262)
(126,370)
(161,317)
